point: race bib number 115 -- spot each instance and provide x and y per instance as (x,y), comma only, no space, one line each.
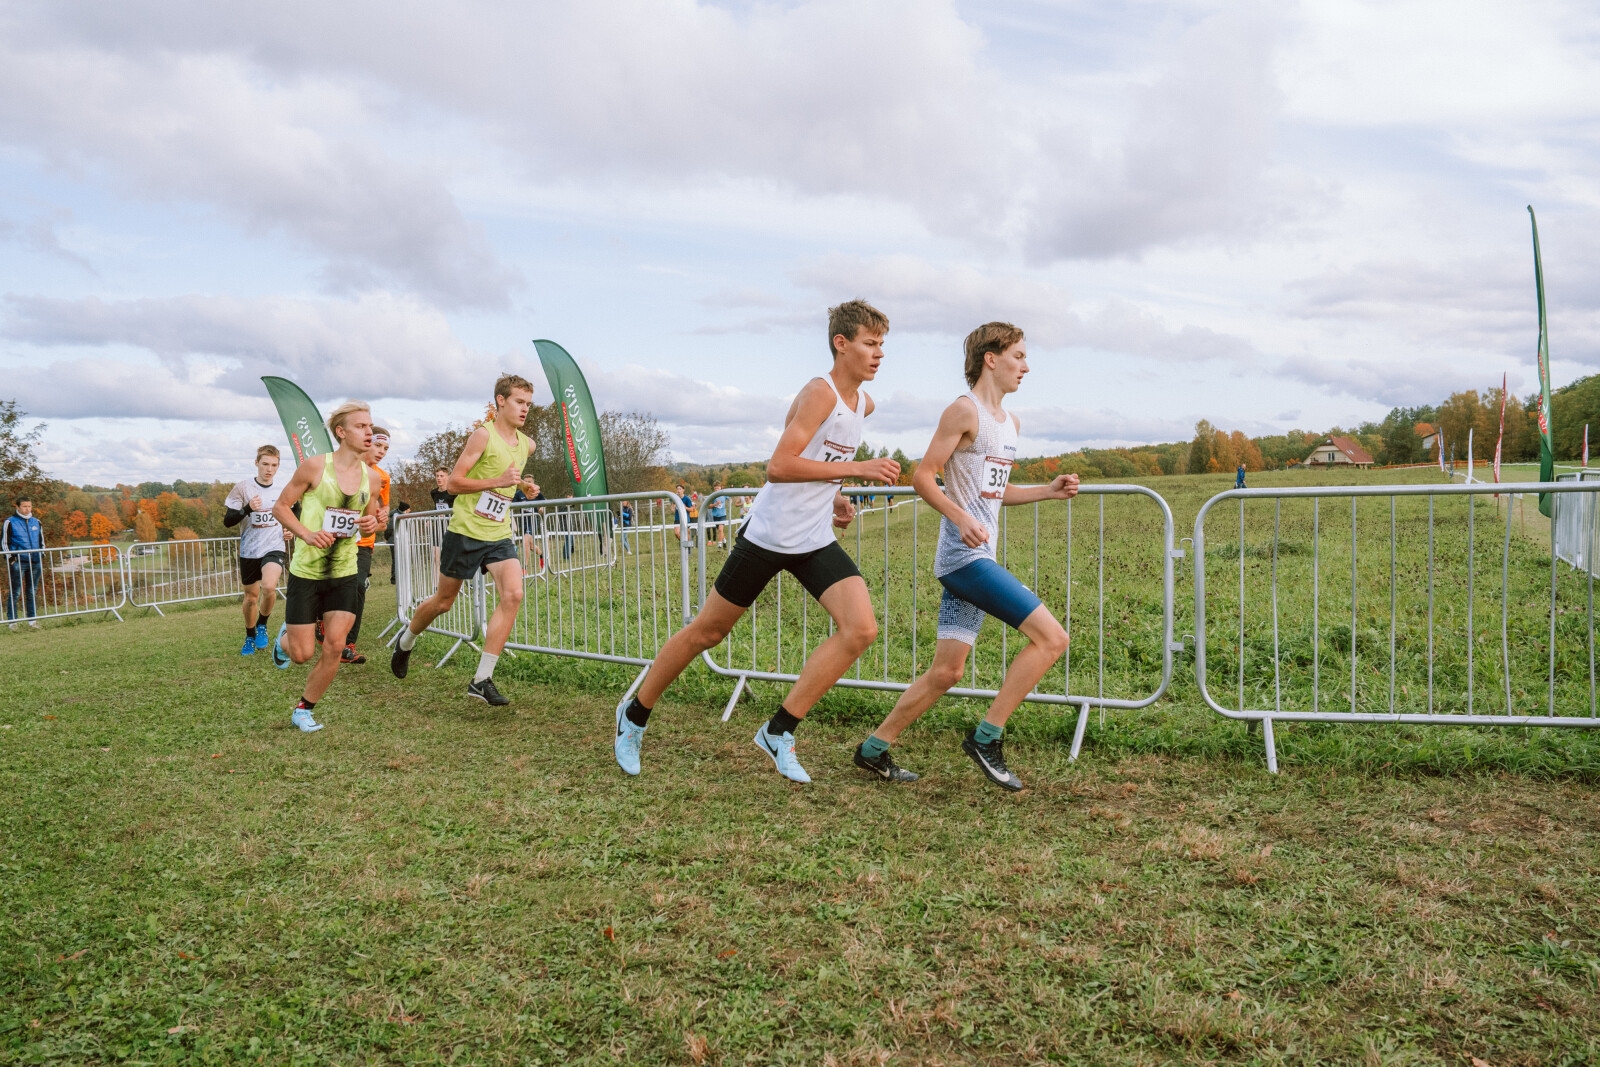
(492,506)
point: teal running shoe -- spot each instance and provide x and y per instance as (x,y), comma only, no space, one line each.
(781,749)
(261,635)
(301,717)
(280,658)
(629,738)
(249,648)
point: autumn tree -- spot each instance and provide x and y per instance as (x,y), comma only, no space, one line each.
(77,525)
(100,528)
(144,525)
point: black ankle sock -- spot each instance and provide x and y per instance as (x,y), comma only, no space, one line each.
(309,705)
(782,723)
(250,632)
(262,621)
(636,713)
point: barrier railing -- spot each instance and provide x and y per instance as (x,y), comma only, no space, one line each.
(1405,628)
(1573,522)
(53,583)
(162,573)
(418,536)
(893,546)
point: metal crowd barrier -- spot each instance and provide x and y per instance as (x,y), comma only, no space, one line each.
(163,573)
(418,536)
(893,546)
(77,580)
(1413,641)
(1573,521)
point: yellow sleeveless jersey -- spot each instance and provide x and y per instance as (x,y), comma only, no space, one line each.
(486,516)
(326,507)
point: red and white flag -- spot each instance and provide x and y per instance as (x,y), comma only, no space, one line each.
(1502,438)
(1440,442)
(1586,444)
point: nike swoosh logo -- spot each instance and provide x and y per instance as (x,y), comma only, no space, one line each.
(1004,776)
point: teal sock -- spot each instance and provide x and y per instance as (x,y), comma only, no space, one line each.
(874,747)
(988,733)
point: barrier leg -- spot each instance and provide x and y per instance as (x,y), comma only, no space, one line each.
(392,624)
(727,712)
(459,642)
(637,682)
(1077,733)
(1272,749)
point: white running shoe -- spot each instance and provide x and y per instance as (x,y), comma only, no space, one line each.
(302,718)
(629,738)
(781,749)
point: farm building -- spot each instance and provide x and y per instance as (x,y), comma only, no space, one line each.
(1430,436)
(1334,451)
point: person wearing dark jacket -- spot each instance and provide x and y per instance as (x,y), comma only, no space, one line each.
(22,543)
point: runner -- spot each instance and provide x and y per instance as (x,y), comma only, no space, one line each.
(443,499)
(975,445)
(480,535)
(261,546)
(365,546)
(337,506)
(788,529)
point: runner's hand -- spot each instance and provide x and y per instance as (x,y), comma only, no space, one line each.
(321,539)
(1064,487)
(510,478)
(367,523)
(843,511)
(973,532)
(255,504)
(886,471)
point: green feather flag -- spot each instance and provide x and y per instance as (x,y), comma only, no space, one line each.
(586,456)
(1547,461)
(308,434)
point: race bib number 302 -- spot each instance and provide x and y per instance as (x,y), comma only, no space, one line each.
(492,506)
(341,522)
(262,520)
(996,473)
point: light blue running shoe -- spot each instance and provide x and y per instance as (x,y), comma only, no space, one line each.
(629,738)
(261,635)
(302,718)
(280,658)
(249,648)
(781,749)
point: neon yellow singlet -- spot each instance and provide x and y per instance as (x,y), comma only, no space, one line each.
(339,559)
(497,456)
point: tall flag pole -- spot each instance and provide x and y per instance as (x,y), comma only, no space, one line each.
(1440,445)
(1547,461)
(1501,440)
(1586,445)
(1469,456)
(579,422)
(308,436)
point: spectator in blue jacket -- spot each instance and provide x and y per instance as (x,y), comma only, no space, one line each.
(22,542)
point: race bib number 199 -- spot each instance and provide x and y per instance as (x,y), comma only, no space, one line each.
(996,473)
(341,522)
(492,506)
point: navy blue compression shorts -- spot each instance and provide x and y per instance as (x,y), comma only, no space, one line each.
(982,587)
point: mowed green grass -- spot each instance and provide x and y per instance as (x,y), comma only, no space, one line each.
(186,879)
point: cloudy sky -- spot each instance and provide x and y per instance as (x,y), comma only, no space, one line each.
(1266,215)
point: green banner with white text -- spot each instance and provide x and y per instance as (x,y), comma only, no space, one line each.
(308,434)
(586,457)
(1547,461)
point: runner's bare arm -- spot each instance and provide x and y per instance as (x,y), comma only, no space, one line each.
(306,476)
(458,483)
(372,517)
(1061,487)
(957,426)
(806,414)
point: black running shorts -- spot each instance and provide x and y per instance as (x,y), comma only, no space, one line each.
(464,557)
(750,567)
(250,569)
(312,598)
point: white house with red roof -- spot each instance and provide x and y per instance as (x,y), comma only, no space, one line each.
(1336,451)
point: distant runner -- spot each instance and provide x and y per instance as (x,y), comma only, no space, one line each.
(366,546)
(975,445)
(442,498)
(337,506)
(479,538)
(261,546)
(790,528)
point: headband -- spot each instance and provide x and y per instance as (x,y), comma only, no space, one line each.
(380,437)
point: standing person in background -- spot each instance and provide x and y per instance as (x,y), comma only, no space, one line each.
(1238,477)
(527,523)
(625,520)
(261,546)
(443,499)
(719,517)
(22,543)
(368,543)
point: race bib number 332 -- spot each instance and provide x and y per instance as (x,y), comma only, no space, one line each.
(492,506)
(996,473)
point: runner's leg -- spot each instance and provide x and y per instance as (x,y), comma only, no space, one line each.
(507,575)
(270,574)
(855,628)
(949,661)
(708,630)
(252,597)
(364,573)
(1047,641)
(441,601)
(335,627)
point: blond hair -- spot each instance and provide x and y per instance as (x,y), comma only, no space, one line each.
(343,412)
(266,450)
(850,318)
(993,337)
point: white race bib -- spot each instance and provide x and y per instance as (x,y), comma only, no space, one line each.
(996,473)
(341,522)
(492,506)
(262,520)
(833,452)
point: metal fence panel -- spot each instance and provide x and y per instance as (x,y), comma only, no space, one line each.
(1088,572)
(1330,612)
(163,573)
(1573,522)
(418,537)
(77,580)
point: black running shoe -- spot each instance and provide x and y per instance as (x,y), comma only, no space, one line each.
(486,692)
(991,761)
(400,662)
(884,767)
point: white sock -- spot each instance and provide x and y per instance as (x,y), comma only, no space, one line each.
(408,640)
(486,664)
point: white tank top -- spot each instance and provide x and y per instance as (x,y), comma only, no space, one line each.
(975,480)
(796,517)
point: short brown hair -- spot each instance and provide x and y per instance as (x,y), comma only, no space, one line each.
(993,337)
(850,318)
(266,450)
(508,382)
(376,430)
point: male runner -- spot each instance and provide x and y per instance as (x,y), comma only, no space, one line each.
(261,544)
(479,537)
(975,445)
(365,546)
(443,499)
(337,506)
(788,529)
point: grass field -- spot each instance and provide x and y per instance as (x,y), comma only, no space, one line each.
(187,879)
